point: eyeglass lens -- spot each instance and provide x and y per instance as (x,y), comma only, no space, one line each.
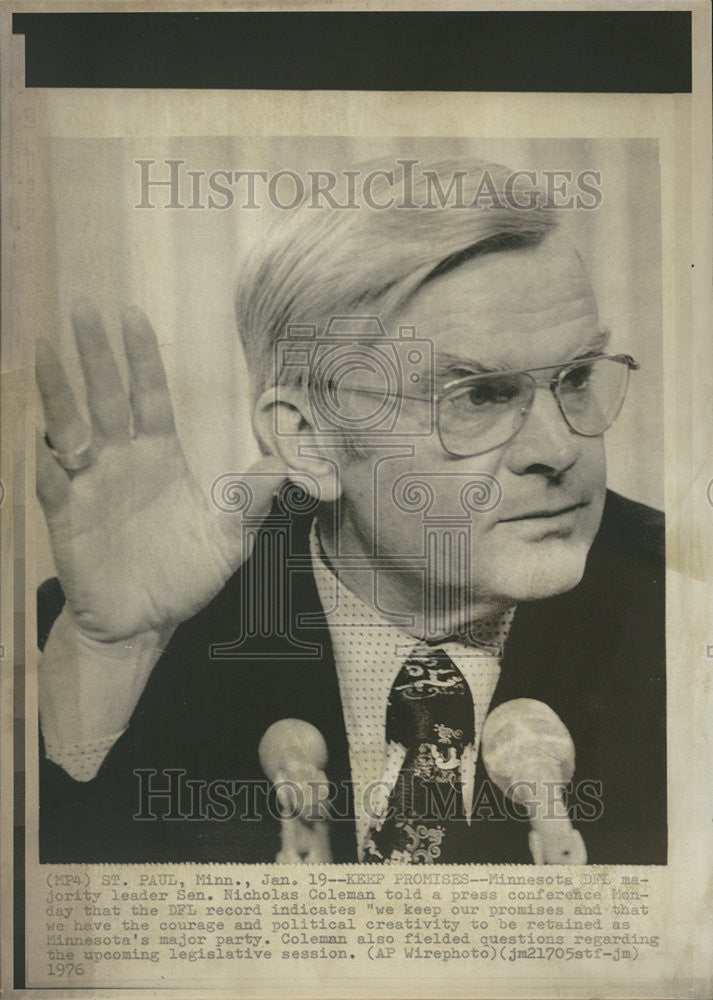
(488,411)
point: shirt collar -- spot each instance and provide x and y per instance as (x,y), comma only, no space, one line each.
(343,609)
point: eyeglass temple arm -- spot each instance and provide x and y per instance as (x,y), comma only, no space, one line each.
(627,359)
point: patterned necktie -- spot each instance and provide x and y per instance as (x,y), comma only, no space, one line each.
(429,712)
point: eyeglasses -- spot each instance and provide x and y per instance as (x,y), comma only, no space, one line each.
(478,413)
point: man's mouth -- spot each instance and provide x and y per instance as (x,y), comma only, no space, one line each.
(545,513)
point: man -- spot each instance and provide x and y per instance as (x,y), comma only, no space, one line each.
(437,382)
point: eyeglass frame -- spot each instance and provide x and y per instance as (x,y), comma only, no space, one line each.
(436,398)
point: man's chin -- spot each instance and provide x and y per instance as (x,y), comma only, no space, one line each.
(544,574)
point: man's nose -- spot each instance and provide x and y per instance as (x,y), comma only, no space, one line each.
(545,443)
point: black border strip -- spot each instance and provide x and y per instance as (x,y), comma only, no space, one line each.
(544,51)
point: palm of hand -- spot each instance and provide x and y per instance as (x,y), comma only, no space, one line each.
(135,543)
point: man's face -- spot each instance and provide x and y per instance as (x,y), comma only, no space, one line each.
(509,310)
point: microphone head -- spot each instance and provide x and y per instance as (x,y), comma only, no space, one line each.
(290,746)
(524,741)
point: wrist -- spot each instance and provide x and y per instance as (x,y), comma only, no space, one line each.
(88,689)
(71,629)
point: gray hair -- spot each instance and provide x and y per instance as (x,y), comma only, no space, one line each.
(318,262)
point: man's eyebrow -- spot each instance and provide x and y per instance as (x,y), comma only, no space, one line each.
(452,364)
(596,344)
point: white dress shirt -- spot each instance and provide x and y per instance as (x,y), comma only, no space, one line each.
(369,652)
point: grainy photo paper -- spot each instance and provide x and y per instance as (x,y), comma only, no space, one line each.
(371,442)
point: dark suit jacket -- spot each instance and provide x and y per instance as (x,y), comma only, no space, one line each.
(595,655)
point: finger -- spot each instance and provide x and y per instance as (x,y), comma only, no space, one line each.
(148,389)
(106,399)
(52,482)
(65,427)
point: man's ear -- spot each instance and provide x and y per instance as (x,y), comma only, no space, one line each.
(282,420)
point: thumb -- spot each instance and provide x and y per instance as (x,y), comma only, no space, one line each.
(248,494)
(265,478)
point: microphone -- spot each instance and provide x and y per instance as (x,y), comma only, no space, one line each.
(529,754)
(293,755)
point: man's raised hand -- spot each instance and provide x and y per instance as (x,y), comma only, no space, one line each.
(135,542)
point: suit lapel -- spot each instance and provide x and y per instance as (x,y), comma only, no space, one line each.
(562,651)
(307,687)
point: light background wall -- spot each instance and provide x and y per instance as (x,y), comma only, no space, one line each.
(180,266)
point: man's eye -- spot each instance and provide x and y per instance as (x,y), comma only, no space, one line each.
(577,378)
(491,392)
